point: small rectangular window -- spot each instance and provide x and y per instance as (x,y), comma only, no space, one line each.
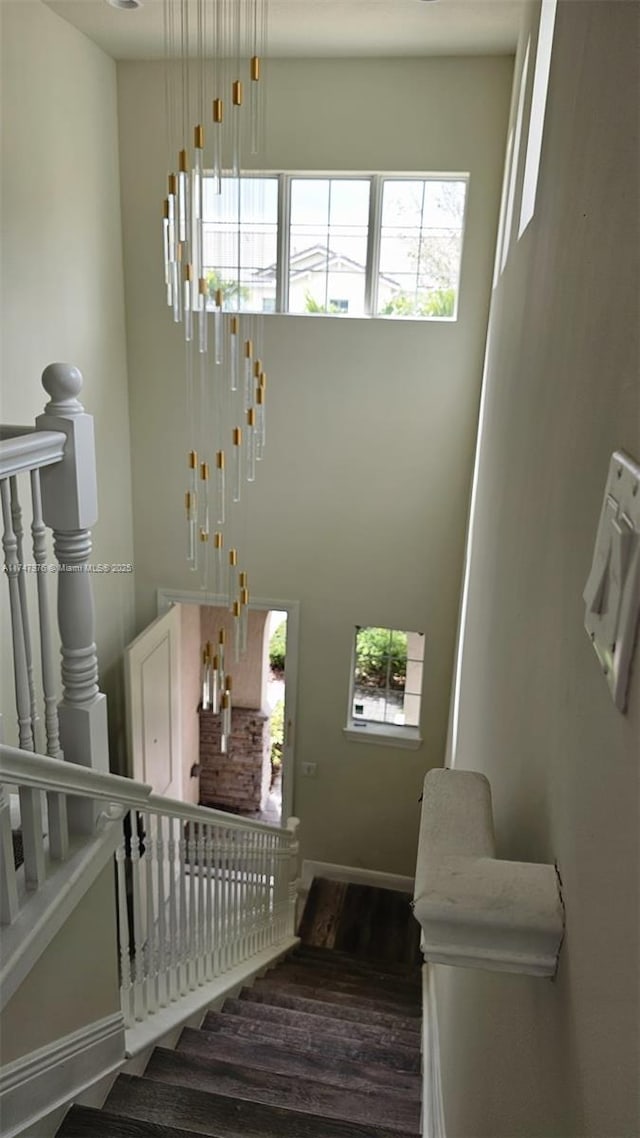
(329,219)
(420,246)
(386,682)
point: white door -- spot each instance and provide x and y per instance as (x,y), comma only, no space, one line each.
(152,685)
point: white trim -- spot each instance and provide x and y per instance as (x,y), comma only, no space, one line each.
(433,1125)
(31,451)
(354,875)
(385,735)
(36,1084)
(145,1034)
(168,597)
(37,923)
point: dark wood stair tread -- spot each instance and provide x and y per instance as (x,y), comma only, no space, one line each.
(321,1043)
(86,1122)
(201,1112)
(263,992)
(341,992)
(242,1082)
(265,1055)
(329,975)
(320,1019)
(361,965)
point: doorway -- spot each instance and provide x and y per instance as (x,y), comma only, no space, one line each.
(274,620)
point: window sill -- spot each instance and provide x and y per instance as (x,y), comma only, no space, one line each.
(384,736)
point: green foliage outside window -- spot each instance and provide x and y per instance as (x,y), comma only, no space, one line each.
(381,657)
(440,302)
(278,648)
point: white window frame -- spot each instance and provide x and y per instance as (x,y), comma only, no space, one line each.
(372,267)
(359,730)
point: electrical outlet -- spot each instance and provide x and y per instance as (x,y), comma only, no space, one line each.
(310,770)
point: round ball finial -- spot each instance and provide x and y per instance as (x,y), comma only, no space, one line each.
(62,382)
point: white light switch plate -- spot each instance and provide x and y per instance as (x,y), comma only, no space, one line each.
(612,592)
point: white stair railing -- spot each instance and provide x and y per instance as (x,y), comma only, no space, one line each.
(198,892)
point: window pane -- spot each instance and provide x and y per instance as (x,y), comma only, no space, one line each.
(244,269)
(420,247)
(387,683)
(328,245)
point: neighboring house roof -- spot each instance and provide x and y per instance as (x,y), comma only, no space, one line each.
(315,259)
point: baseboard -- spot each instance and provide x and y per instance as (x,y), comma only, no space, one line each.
(47,1079)
(210,996)
(353,875)
(433,1125)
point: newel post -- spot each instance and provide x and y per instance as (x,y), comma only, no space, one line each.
(69,507)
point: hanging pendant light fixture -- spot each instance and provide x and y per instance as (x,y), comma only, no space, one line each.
(214,104)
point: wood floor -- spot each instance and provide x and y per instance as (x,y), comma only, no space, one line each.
(325,1045)
(372,924)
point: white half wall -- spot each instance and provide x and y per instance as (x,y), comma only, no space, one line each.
(61,291)
(523,1057)
(360,508)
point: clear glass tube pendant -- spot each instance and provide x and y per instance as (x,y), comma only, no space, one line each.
(237,95)
(220,488)
(244,619)
(218,549)
(206,701)
(251,445)
(192,548)
(214,690)
(234,343)
(168,272)
(221,648)
(236,631)
(218,328)
(232,579)
(248,375)
(218,118)
(236,472)
(188,300)
(254,104)
(225,723)
(261,424)
(202,315)
(184,205)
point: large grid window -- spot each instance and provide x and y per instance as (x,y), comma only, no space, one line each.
(386,685)
(361,245)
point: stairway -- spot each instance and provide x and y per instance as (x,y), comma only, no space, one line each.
(325,1045)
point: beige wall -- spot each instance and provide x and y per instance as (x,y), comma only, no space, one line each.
(61,282)
(525,1057)
(359,511)
(75,981)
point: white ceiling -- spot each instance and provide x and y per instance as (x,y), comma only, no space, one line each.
(323,27)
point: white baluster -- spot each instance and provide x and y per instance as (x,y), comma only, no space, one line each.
(58,826)
(218,903)
(32,837)
(69,508)
(193,909)
(151,955)
(163,978)
(262,890)
(174,902)
(202,884)
(16,517)
(139,1003)
(12,569)
(49,678)
(225,891)
(235,899)
(183,924)
(209,931)
(126,995)
(8,887)
(292,827)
